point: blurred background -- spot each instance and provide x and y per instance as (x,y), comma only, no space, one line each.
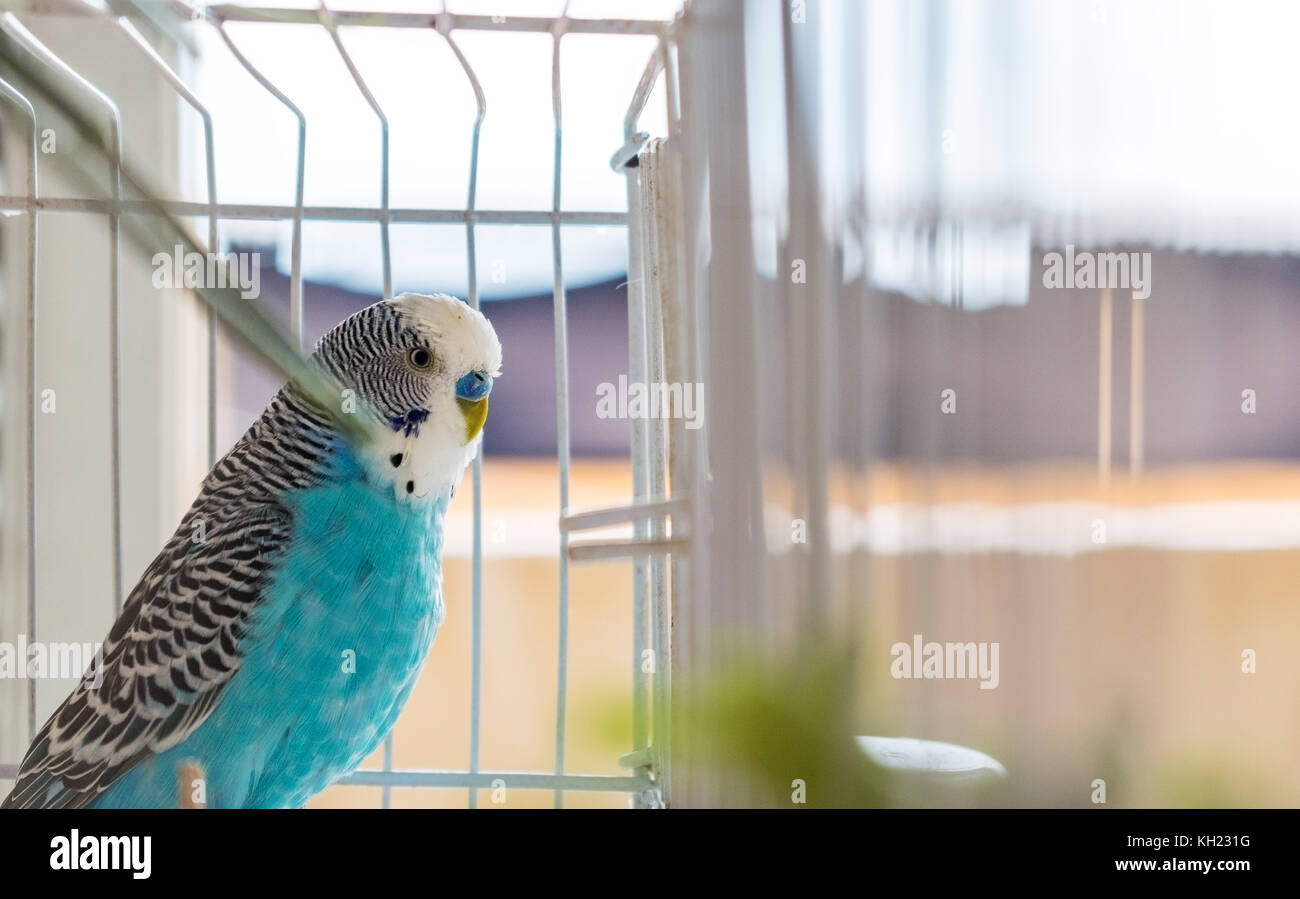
(847,238)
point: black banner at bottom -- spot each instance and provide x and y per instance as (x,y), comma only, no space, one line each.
(139,850)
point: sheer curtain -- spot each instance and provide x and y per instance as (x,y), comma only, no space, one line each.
(989,127)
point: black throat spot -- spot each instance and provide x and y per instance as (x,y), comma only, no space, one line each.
(410,422)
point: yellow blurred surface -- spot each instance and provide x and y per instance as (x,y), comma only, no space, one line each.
(1123,665)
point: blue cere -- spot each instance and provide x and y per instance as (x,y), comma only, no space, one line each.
(473,386)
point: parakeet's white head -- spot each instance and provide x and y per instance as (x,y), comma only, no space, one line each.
(425,365)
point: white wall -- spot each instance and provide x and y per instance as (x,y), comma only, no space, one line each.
(163,371)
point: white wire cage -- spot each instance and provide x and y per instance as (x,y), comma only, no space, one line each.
(648,510)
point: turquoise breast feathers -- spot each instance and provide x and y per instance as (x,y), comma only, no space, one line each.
(335,647)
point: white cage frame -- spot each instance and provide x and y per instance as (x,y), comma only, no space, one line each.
(650,509)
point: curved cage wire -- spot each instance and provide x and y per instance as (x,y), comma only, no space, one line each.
(25,55)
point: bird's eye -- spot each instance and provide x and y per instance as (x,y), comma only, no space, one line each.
(420,358)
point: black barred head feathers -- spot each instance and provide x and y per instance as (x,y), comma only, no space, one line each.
(425,366)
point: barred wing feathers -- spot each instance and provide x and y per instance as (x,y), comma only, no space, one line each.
(177,643)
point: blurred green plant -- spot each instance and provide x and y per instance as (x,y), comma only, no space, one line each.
(772,730)
(785,724)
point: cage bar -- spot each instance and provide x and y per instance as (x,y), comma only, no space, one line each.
(29,115)
(519,780)
(476,572)
(296,211)
(178,84)
(326,19)
(15,29)
(272,212)
(561,408)
(233,13)
(624,161)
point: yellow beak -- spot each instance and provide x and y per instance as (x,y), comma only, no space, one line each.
(475,412)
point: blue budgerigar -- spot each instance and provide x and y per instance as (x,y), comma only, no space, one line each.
(276,637)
